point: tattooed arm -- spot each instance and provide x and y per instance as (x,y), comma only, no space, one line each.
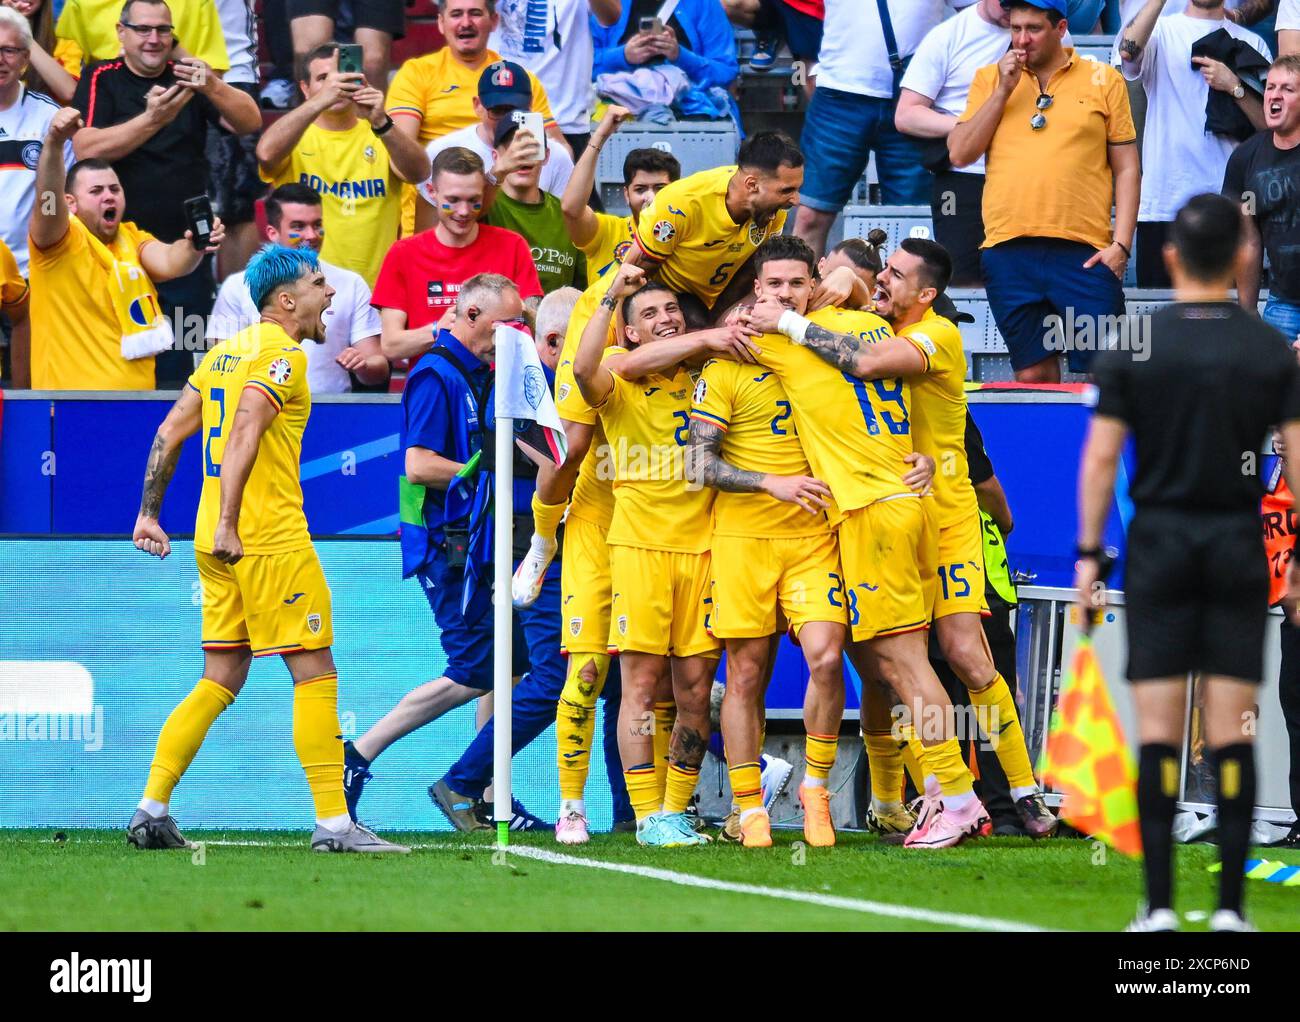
(846,352)
(1137,33)
(708,468)
(182,422)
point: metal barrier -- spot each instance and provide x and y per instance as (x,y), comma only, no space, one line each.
(1047,632)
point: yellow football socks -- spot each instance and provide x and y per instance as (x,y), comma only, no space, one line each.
(547,517)
(680,787)
(182,735)
(945,762)
(317,741)
(1001,724)
(746,785)
(575,720)
(819,755)
(909,748)
(665,719)
(885,763)
(642,791)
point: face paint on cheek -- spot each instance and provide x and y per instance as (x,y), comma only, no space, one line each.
(446,207)
(476,206)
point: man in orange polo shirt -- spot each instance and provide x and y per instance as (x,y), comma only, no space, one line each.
(1059,139)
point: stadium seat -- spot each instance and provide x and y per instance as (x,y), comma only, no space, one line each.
(699,145)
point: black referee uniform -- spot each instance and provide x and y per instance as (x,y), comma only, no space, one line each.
(1196,584)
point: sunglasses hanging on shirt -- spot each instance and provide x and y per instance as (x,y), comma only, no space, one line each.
(1039,121)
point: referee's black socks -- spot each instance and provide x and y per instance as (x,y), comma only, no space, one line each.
(1234,768)
(1157,792)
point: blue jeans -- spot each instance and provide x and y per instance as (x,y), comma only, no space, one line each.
(1283,316)
(840,132)
(532,707)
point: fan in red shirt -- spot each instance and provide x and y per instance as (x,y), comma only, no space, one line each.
(421,275)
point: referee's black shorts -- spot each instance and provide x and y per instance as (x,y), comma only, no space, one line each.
(1195,594)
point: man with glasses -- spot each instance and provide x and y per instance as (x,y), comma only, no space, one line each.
(1058,138)
(193,25)
(147,113)
(503,88)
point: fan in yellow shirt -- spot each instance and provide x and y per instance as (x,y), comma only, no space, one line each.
(357,164)
(659,539)
(857,435)
(605,239)
(772,547)
(433,95)
(928,351)
(94,25)
(700,231)
(13,302)
(263,589)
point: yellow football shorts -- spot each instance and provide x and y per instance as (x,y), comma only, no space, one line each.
(660,603)
(272,603)
(753,576)
(887,552)
(584,588)
(958,586)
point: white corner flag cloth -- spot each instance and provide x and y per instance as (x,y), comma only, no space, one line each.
(523,394)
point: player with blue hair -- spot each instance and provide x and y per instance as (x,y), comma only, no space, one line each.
(264,593)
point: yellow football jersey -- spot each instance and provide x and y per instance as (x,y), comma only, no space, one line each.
(689,234)
(607,247)
(647,423)
(939,415)
(264,359)
(13,285)
(439,90)
(92,25)
(360,192)
(855,433)
(749,403)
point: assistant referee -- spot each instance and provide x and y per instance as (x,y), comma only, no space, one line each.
(1199,404)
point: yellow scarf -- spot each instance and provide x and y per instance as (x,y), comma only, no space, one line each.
(145,330)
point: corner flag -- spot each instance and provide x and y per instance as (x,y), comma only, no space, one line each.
(523,394)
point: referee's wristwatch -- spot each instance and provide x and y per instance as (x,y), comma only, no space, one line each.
(1104,556)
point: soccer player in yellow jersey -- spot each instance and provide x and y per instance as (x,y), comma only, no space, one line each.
(658,540)
(263,590)
(857,435)
(699,232)
(772,547)
(928,352)
(603,238)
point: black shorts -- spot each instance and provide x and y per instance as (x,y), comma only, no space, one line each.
(381,15)
(1195,594)
(233,181)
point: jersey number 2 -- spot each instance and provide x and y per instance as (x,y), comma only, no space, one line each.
(210,467)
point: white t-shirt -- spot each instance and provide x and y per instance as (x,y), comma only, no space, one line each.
(1129,9)
(22,136)
(1179,157)
(1288,15)
(239,25)
(854,57)
(350,318)
(563,65)
(945,63)
(555,174)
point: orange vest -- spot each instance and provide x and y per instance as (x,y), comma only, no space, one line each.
(1280,526)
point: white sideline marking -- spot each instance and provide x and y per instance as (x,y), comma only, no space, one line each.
(876,908)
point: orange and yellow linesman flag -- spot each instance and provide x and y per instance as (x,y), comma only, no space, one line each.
(1087,760)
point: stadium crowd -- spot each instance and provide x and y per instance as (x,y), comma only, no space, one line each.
(145,157)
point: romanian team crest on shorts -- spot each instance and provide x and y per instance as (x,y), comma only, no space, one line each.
(575,626)
(701,388)
(622,624)
(663,231)
(280,370)
(313,623)
(757,234)
(563,392)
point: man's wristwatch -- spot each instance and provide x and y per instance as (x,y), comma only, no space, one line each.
(384,128)
(1239,92)
(1104,556)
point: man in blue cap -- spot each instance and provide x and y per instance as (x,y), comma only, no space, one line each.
(1059,140)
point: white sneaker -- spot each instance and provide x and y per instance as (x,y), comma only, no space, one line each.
(776,775)
(1162,920)
(526,584)
(1227,921)
(571,829)
(278,94)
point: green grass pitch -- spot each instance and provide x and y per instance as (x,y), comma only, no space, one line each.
(91,880)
